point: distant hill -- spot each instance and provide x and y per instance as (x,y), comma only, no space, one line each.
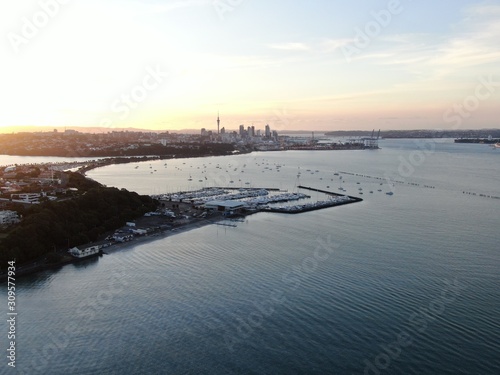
(422,133)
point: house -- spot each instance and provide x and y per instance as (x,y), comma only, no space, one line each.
(88,250)
(85,251)
(8,217)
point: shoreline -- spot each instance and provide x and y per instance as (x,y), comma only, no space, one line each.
(42,265)
(26,270)
(162,234)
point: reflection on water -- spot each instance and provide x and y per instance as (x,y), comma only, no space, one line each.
(87,263)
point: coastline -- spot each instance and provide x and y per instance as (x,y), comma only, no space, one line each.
(25,270)
(41,264)
(195,224)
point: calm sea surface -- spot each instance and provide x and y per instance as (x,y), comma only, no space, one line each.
(401,284)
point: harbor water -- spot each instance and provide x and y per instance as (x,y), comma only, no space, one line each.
(406,283)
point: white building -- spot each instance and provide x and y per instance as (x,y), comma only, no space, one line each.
(85,251)
(32,198)
(225,206)
(8,217)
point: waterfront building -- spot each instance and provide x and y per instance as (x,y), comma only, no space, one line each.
(229,206)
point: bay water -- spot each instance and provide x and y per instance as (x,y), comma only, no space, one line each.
(407,283)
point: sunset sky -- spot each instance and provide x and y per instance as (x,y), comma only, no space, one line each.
(310,65)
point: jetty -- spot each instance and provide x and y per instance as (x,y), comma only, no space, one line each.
(356,199)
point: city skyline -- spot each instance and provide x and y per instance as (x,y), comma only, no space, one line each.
(171,65)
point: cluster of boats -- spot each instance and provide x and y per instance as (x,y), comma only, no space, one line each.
(199,197)
(193,195)
(252,197)
(241,194)
(285,197)
(333,201)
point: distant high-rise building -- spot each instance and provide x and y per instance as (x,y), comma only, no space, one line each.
(218,122)
(252,131)
(268,131)
(242,130)
(223,130)
(203,132)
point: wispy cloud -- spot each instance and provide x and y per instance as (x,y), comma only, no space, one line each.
(330,45)
(472,44)
(290,46)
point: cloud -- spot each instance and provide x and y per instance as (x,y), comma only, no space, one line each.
(473,42)
(290,46)
(333,44)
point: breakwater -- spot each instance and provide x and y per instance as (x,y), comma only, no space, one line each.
(356,199)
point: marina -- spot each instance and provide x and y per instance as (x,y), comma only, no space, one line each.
(256,199)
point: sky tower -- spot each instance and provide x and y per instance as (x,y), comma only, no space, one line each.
(218,122)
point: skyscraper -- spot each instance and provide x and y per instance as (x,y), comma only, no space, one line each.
(218,122)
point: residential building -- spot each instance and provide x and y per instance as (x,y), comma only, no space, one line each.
(8,217)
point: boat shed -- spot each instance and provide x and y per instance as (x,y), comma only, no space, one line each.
(225,206)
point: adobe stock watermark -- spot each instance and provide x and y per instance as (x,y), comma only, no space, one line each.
(416,158)
(283,120)
(418,323)
(225,6)
(131,99)
(456,115)
(363,36)
(292,280)
(460,111)
(31,26)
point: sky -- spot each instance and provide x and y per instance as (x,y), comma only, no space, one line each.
(296,65)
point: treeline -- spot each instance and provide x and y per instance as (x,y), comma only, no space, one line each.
(61,225)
